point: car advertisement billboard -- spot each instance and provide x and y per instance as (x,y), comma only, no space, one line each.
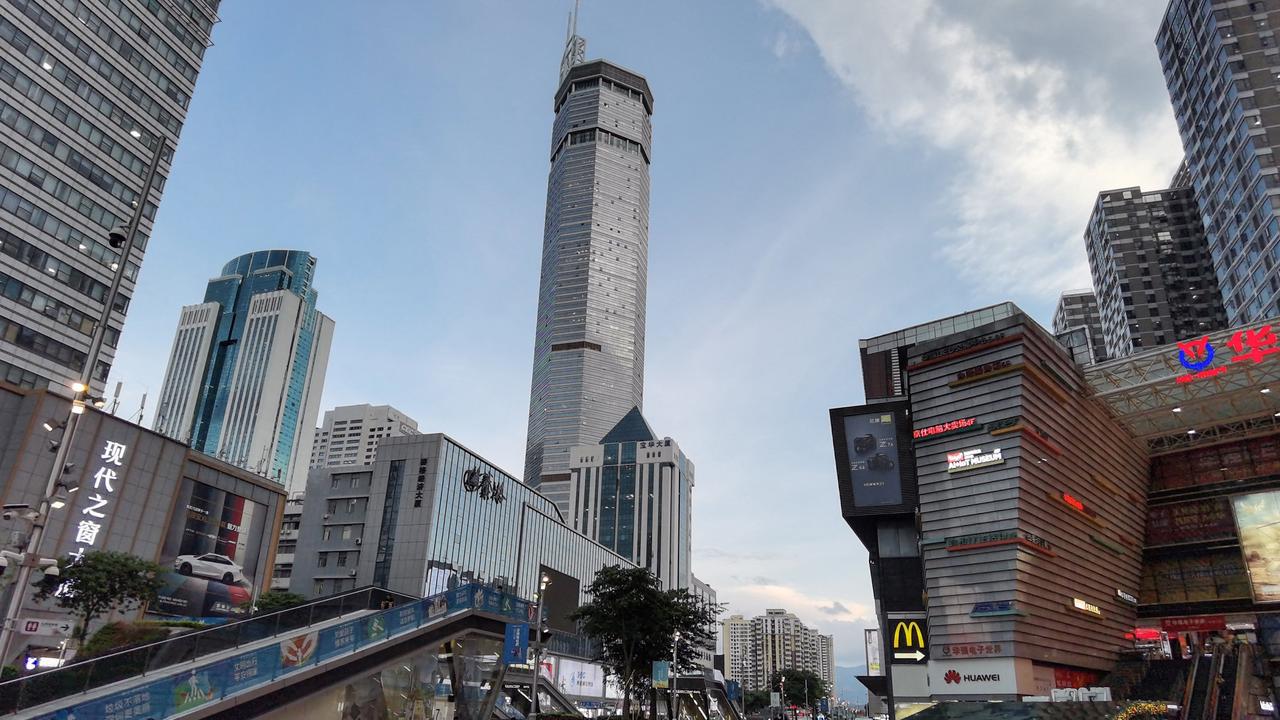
(1258,517)
(211,552)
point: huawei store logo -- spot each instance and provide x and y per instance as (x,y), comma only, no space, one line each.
(952,677)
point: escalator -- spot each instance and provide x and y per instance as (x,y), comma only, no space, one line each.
(1228,685)
(1202,676)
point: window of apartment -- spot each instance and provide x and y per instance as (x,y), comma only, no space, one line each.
(351,505)
(287,547)
(332,506)
(348,531)
(334,484)
(355,481)
(328,533)
(323,561)
(342,559)
(318,590)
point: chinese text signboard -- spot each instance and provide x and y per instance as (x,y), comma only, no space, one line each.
(92,517)
(1200,358)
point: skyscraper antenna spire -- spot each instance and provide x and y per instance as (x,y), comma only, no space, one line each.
(575,48)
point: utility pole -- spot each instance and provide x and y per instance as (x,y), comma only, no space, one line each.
(120,238)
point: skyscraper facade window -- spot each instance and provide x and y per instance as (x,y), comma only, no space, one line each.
(247,367)
(1220,67)
(588,362)
(1151,269)
(87,92)
(633,492)
(1077,311)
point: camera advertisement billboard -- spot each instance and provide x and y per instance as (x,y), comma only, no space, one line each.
(875,470)
(211,552)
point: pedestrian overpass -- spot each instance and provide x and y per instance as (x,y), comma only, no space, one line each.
(367,653)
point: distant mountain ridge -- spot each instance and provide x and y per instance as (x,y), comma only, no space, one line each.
(847,686)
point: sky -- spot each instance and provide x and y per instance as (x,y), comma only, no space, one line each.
(823,171)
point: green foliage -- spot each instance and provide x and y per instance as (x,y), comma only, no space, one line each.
(635,621)
(118,636)
(103,581)
(755,700)
(273,600)
(794,693)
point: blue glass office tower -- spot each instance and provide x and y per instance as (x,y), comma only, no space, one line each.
(247,366)
(1220,66)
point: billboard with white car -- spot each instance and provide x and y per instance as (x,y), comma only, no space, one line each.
(211,551)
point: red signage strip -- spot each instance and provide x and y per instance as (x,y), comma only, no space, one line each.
(943,428)
(1078,505)
(1196,623)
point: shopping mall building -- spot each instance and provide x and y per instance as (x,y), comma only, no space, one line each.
(1033,525)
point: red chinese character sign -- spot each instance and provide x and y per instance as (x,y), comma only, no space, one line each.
(1249,345)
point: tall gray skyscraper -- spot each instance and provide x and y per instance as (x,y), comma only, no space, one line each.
(1151,270)
(1219,64)
(87,89)
(247,367)
(588,357)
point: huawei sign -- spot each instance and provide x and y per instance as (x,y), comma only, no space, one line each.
(954,677)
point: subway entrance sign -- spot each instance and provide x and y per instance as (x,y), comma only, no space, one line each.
(909,641)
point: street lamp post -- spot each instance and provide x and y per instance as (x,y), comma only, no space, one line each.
(675,673)
(121,238)
(543,582)
(782,693)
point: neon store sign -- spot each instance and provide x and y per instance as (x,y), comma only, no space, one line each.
(943,428)
(973,459)
(1250,345)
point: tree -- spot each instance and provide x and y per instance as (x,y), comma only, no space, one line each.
(754,701)
(794,693)
(635,622)
(102,581)
(273,600)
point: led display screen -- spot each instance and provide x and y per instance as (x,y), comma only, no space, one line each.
(1195,521)
(875,469)
(560,598)
(1258,516)
(1205,576)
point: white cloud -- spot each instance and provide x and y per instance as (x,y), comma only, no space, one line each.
(1035,137)
(754,595)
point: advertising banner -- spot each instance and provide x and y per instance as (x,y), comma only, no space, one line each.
(515,646)
(404,617)
(211,550)
(151,700)
(337,640)
(1258,516)
(662,674)
(249,669)
(580,678)
(298,651)
(874,468)
(1196,521)
(871,642)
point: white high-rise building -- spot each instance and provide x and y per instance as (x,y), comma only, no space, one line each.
(349,434)
(735,641)
(757,648)
(247,367)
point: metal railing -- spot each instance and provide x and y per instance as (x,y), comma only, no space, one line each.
(81,677)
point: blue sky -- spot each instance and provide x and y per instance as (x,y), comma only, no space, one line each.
(822,171)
